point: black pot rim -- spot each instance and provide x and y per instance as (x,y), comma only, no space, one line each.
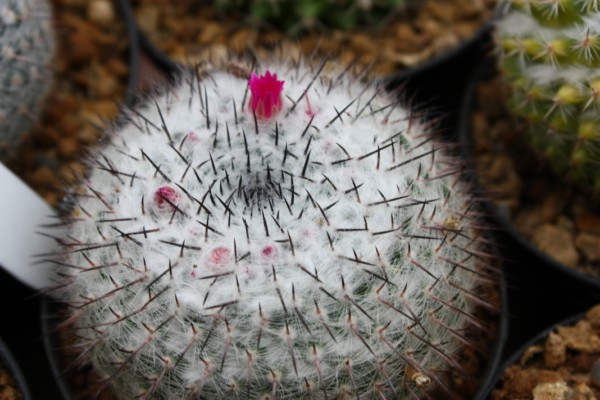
(14,370)
(134,50)
(493,363)
(471,44)
(535,339)
(51,347)
(164,62)
(464,138)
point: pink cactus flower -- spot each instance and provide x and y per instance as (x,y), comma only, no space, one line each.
(266,100)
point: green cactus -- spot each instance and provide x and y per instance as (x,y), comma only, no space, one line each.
(294,16)
(550,55)
(26,50)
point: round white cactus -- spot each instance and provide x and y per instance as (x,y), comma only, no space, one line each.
(289,233)
(26,50)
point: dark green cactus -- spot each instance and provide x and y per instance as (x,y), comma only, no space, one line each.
(551,54)
(293,16)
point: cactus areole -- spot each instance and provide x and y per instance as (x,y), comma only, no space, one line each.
(236,241)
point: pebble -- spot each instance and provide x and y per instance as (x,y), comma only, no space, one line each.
(555,350)
(595,374)
(82,47)
(557,243)
(566,223)
(589,245)
(117,67)
(593,316)
(552,391)
(68,148)
(101,11)
(583,392)
(103,84)
(210,32)
(147,18)
(241,39)
(580,337)
(588,222)
(500,168)
(552,206)
(445,12)
(362,42)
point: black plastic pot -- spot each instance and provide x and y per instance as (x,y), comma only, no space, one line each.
(9,365)
(50,318)
(540,289)
(502,330)
(439,83)
(134,50)
(552,268)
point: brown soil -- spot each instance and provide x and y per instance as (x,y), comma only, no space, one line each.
(192,30)
(564,365)
(559,220)
(8,387)
(91,71)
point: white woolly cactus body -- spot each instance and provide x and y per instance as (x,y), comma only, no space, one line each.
(236,241)
(550,58)
(26,50)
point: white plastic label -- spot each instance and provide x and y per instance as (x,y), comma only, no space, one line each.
(22,215)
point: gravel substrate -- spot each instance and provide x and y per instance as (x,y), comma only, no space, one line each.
(563,365)
(188,31)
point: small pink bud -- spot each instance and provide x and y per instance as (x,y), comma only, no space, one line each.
(266,100)
(269,251)
(165,195)
(193,137)
(219,256)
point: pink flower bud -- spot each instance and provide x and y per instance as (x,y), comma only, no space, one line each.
(219,256)
(165,196)
(266,100)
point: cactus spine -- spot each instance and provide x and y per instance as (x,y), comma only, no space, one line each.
(296,234)
(295,16)
(551,53)
(27,43)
